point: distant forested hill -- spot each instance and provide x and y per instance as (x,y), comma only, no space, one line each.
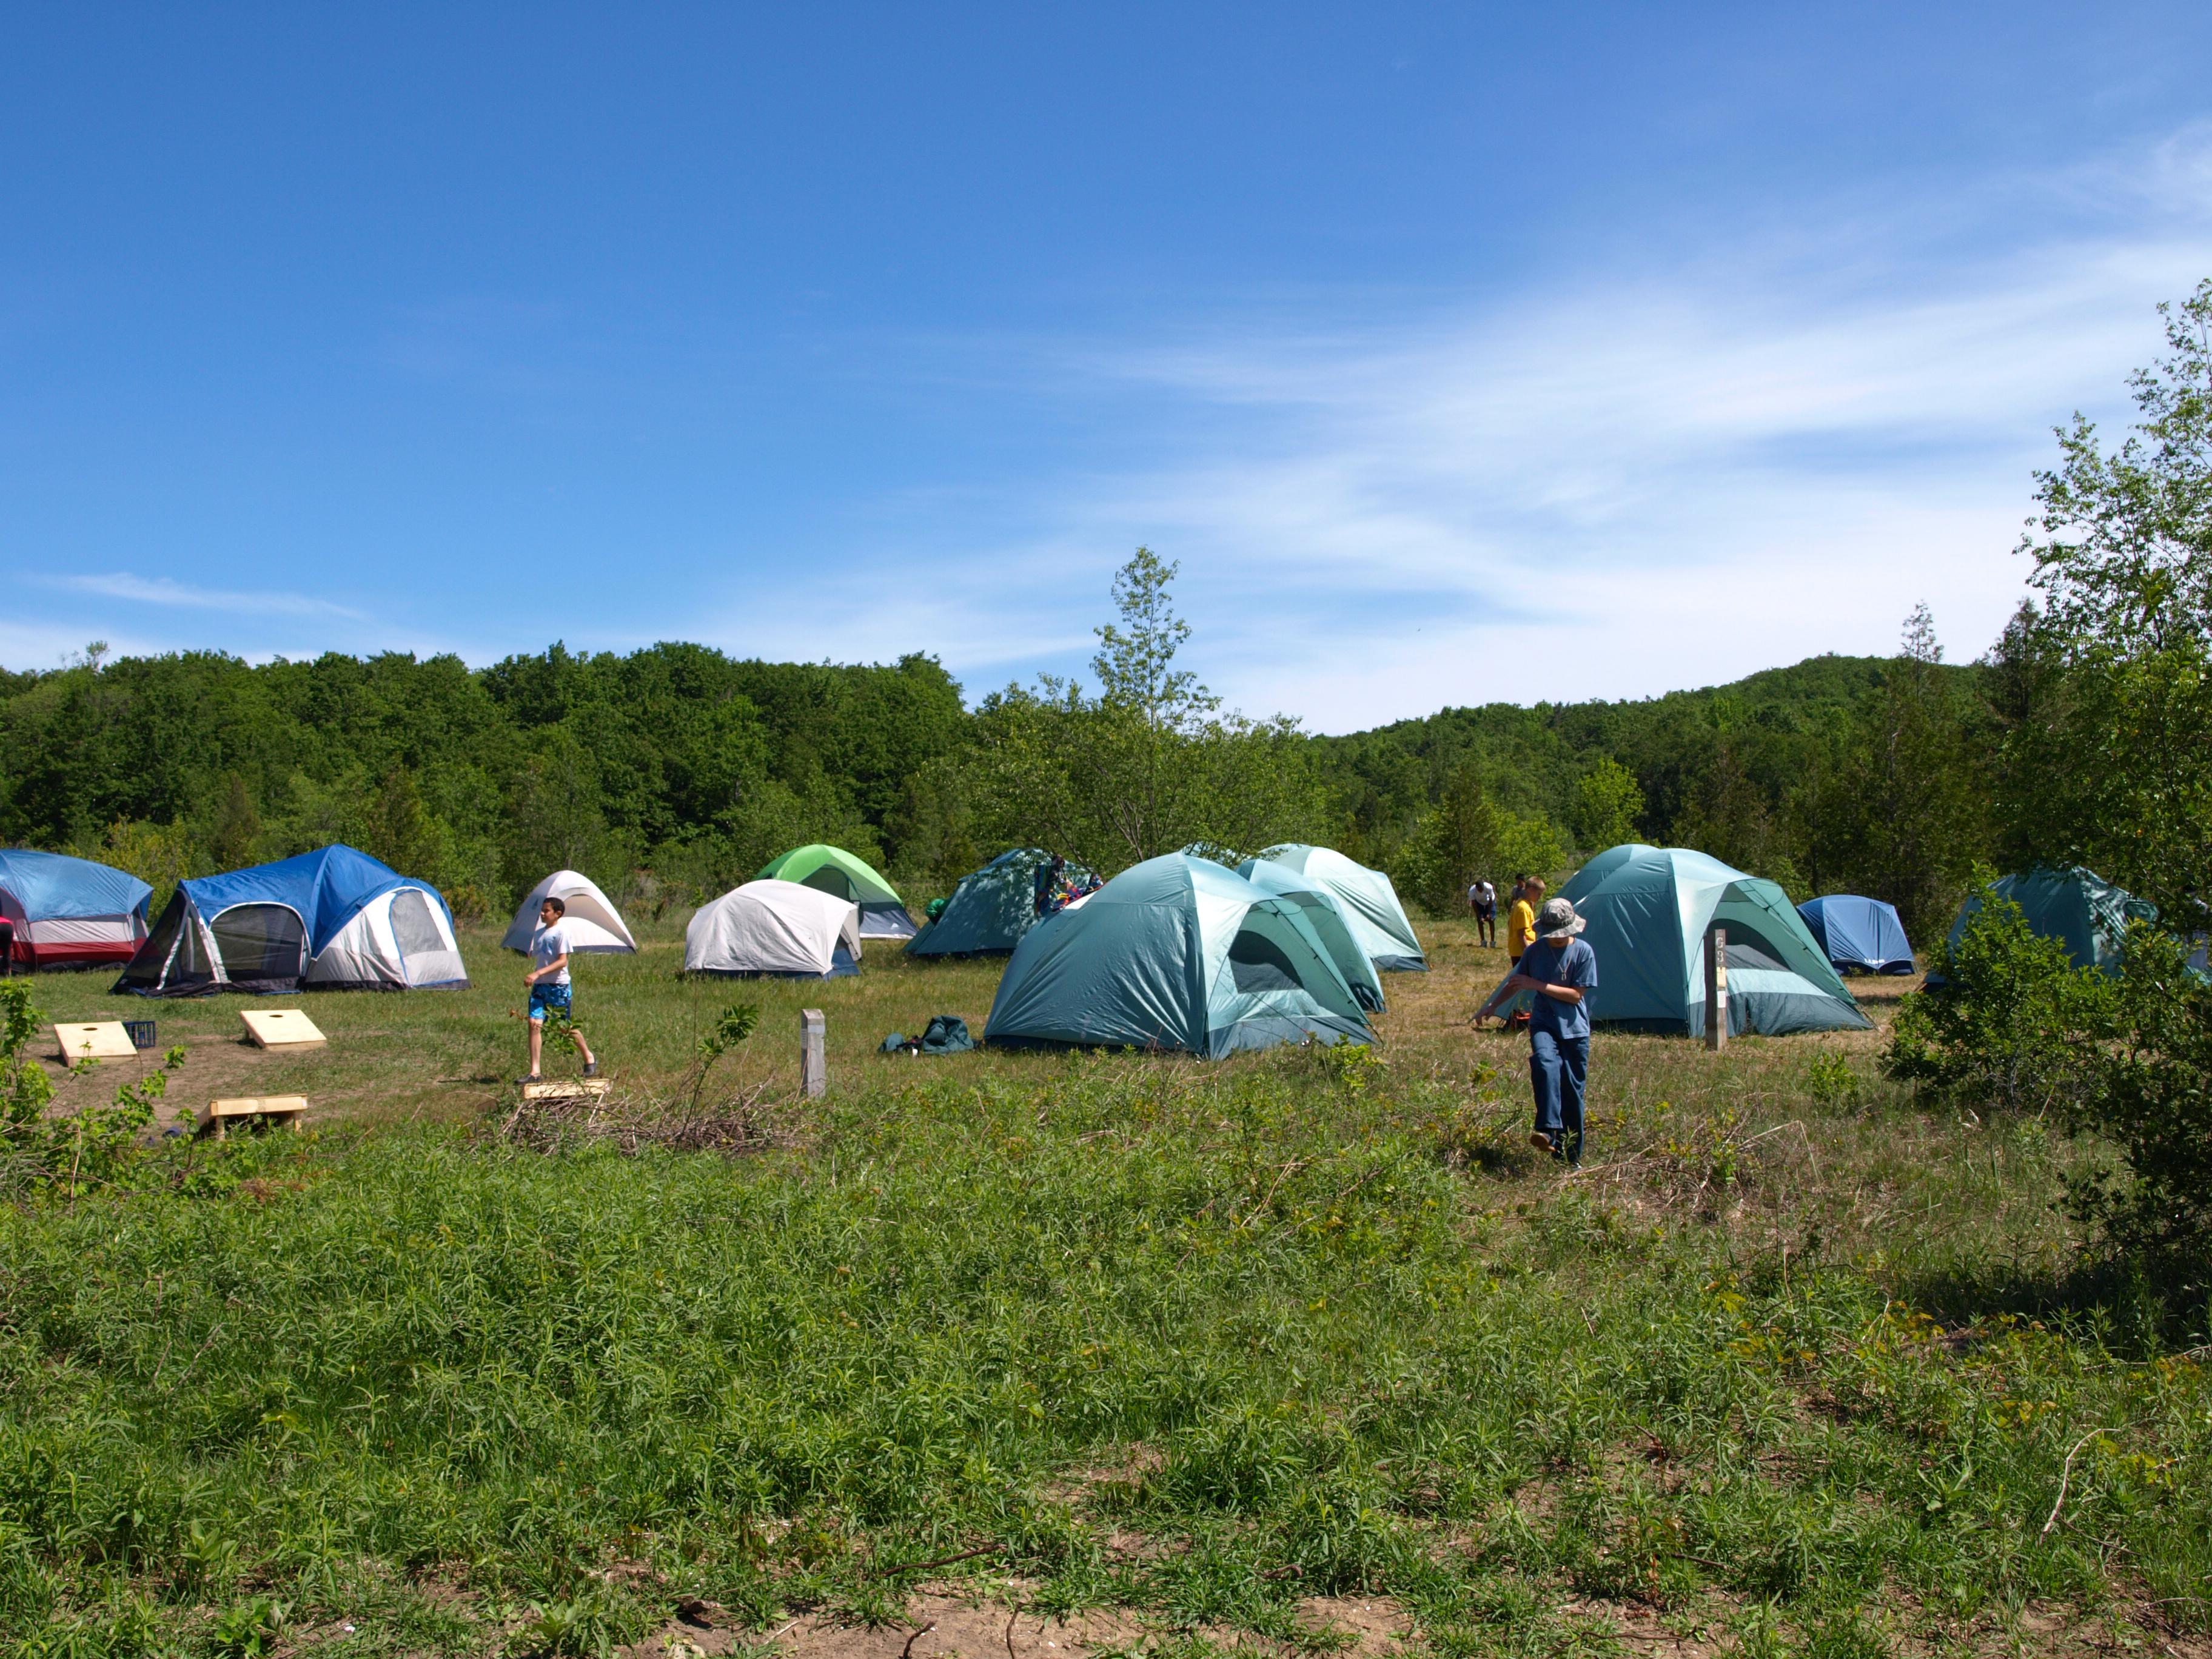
(676,769)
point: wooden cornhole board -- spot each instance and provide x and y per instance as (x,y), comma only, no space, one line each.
(280,1028)
(589,1088)
(281,1109)
(98,1039)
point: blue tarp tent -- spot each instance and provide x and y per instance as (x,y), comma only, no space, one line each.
(69,913)
(1860,935)
(333,920)
(1648,909)
(1174,953)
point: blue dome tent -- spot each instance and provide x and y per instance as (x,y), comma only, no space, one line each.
(1174,953)
(69,913)
(333,920)
(1860,935)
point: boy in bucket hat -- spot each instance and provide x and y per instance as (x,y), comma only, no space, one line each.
(1562,970)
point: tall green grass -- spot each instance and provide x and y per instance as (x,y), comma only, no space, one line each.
(1199,1341)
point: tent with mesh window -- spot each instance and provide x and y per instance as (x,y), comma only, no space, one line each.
(1648,910)
(833,870)
(334,919)
(1174,953)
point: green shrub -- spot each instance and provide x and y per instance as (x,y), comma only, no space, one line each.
(2013,1025)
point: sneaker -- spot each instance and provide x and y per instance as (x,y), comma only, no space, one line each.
(532,1077)
(591,1068)
(1539,1140)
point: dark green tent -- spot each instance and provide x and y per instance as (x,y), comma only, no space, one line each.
(991,908)
(2070,903)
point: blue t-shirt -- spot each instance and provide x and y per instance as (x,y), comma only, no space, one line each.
(1572,963)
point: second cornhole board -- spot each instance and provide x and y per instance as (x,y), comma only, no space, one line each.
(277,1109)
(280,1028)
(98,1039)
(590,1088)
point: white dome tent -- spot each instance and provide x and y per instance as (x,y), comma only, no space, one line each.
(595,926)
(775,929)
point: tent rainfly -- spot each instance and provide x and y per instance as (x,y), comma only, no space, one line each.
(991,908)
(68,912)
(1648,909)
(595,926)
(1330,924)
(1174,953)
(775,929)
(1860,935)
(1370,903)
(2070,903)
(833,870)
(335,920)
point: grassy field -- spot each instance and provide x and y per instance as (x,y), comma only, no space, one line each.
(1300,1351)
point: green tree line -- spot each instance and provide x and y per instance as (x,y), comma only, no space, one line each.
(2083,734)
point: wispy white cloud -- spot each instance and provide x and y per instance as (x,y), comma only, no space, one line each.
(1653,479)
(164,592)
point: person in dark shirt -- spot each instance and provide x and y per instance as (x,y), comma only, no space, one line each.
(1561,970)
(1051,886)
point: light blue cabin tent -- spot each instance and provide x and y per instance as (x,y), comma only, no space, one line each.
(67,912)
(1175,953)
(991,908)
(1330,924)
(333,920)
(2070,903)
(1370,903)
(1648,909)
(1860,935)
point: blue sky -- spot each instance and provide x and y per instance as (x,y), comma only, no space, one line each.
(1456,353)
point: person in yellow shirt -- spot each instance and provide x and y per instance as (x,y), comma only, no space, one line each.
(1521,920)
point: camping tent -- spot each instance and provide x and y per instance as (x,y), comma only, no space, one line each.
(1860,935)
(335,920)
(594,926)
(991,908)
(1648,909)
(1174,953)
(1331,925)
(776,928)
(69,913)
(1370,903)
(833,870)
(2076,905)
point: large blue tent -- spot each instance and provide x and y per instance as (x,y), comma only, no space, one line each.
(1174,953)
(1860,935)
(67,912)
(334,919)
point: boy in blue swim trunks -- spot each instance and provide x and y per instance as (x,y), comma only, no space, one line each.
(548,983)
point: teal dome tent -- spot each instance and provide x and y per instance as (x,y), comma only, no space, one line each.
(991,908)
(2075,906)
(1368,900)
(1648,909)
(1174,953)
(1330,924)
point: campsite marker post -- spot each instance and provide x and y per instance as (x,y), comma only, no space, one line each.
(813,1057)
(1717,988)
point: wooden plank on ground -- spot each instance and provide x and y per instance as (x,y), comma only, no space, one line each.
(281,1109)
(280,1028)
(98,1039)
(589,1088)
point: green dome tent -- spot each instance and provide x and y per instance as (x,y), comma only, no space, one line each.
(991,908)
(833,870)
(1174,953)
(2072,904)
(1648,909)
(1369,901)
(1326,912)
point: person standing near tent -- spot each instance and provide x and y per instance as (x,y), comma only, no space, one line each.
(1482,900)
(1521,920)
(1561,969)
(548,983)
(1051,887)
